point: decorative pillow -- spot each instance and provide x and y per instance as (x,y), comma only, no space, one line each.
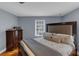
(59,38)
(63,38)
(55,38)
(68,39)
(47,35)
(51,37)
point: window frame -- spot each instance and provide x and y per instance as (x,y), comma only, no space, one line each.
(41,27)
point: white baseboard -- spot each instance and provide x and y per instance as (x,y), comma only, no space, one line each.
(3,50)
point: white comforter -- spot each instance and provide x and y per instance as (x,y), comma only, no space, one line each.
(64,49)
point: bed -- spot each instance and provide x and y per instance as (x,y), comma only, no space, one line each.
(39,46)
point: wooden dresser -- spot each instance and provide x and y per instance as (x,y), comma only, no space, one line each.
(13,37)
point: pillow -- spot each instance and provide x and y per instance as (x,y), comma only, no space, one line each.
(67,39)
(56,38)
(59,38)
(47,35)
(51,37)
(63,38)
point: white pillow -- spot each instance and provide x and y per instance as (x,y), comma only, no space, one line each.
(59,38)
(51,37)
(63,38)
(56,38)
(47,35)
(67,39)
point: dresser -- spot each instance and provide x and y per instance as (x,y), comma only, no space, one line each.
(13,37)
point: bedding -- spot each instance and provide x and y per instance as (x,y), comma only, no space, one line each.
(64,49)
(59,38)
(32,47)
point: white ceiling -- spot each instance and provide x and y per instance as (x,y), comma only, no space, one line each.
(39,8)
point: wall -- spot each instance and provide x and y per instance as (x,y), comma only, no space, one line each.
(73,16)
(28,24)
(7,20)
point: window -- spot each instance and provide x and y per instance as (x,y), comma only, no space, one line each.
(39,27)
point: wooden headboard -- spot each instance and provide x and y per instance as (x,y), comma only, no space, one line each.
(69,28)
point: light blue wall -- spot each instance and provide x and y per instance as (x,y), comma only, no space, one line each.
(73,16)
(7,20)
(28,24)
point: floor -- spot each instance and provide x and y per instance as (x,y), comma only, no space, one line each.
(14,52)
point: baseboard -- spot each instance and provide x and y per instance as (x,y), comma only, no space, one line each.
(3,50)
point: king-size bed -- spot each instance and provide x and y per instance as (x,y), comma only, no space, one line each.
(58,40)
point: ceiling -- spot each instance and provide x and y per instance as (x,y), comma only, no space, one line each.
(39,8)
